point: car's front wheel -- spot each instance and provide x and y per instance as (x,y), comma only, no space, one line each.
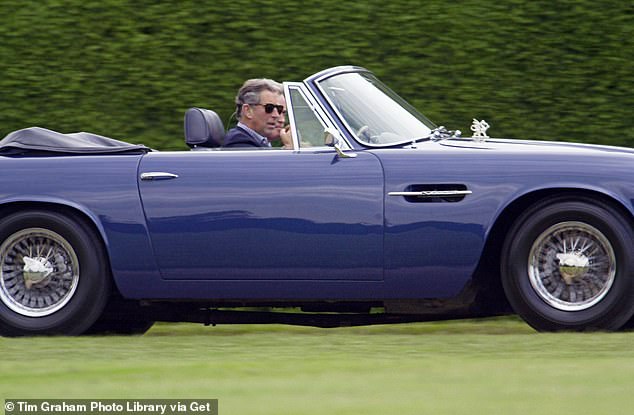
(567,265)
(53,274)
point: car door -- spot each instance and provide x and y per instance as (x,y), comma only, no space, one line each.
(270,214)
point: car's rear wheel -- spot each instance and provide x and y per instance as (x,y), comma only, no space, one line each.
(53,274)
(567,265)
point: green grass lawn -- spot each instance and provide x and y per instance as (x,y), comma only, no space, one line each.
(491,366)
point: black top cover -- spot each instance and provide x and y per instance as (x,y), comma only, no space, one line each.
(40,141)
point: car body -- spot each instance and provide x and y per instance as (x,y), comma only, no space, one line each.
(389,219)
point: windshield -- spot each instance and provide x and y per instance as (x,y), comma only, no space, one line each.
(375,114)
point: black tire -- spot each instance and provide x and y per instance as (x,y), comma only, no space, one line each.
(66,292)
(554,286)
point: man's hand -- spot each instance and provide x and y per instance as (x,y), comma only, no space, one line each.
(286,137)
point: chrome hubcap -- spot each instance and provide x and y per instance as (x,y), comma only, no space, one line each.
(39,272)
(36,271)
(572,266)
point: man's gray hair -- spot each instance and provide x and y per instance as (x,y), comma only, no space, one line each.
(250,92)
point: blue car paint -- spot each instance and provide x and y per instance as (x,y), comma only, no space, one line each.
(266,214)
(308,224)
(434,248)
(103,188)
(274,225)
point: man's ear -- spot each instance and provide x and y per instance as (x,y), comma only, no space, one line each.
(247,111)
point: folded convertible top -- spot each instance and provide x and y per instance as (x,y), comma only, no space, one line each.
(40,141)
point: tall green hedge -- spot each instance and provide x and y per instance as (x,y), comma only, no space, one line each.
(557,70)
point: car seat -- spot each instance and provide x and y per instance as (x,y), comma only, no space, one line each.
(203,129)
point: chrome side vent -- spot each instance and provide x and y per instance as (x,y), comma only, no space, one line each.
(434,193)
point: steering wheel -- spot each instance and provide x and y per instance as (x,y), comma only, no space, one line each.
(363,132)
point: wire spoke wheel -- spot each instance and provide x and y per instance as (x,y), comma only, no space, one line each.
(572,266)
(567,264)
(39,272)
(54,274)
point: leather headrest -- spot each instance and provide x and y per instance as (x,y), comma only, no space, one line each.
(203,128)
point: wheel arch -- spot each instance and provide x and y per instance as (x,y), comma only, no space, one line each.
(487,276)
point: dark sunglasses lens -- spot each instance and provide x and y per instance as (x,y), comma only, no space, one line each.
(268,108)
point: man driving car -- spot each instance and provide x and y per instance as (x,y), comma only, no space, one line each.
(261,110)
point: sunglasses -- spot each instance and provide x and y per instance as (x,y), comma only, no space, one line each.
(268,108)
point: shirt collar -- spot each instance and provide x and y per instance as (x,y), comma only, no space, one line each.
(255,135)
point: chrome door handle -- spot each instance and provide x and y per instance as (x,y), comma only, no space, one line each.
(432,193)
(158,175)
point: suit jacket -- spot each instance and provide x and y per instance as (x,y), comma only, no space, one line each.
(238,137)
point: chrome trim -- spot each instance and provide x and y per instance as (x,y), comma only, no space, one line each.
(342,70)
(572,266)
(316,106)
(39,272)
(158,175)
(344,155)
(291,113)
(334,71)
(432,193)
(339,70)
(320,77)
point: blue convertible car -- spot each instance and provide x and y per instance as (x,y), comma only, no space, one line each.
(376,216)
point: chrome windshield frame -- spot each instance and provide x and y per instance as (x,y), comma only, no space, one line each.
(325,118)
(317,81)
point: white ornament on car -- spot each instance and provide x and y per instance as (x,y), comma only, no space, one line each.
(479,129)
